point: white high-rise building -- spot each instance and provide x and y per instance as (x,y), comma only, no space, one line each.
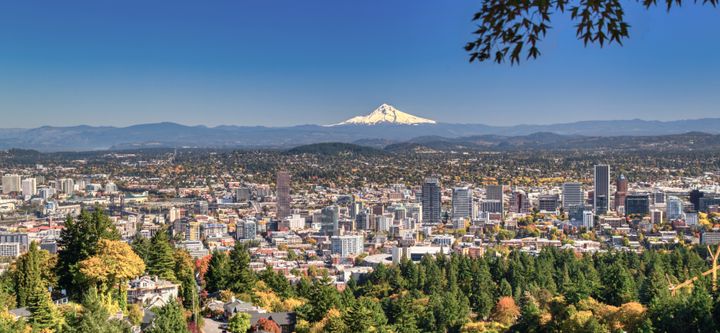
(11,183)
(462,202)
(111,188)
(295,222)
(346,245)
(246,229)
(67,185)
(572,195)
(588,219)
(29,187)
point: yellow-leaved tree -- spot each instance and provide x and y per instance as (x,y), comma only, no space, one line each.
(114,264)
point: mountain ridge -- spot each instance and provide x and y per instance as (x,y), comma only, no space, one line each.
(169,134)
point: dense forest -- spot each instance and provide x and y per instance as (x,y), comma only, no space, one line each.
(555,291)
(502,291)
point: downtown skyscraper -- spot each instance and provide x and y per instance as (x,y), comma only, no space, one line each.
(431,201)
(601,193)
(462,202)
(283,194)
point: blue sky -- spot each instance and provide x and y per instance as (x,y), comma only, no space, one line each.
(286,62)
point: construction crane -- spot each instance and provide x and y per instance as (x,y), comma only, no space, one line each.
(714,271)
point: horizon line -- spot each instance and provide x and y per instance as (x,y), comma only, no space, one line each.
(357,125)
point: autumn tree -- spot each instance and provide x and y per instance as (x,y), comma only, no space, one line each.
(505,311)
(112,266)
(78,241)
(267,325)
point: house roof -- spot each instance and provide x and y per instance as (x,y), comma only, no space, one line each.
(280,318)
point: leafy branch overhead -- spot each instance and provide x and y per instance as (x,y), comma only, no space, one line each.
(511,29)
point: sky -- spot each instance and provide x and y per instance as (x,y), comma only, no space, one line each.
(290,62)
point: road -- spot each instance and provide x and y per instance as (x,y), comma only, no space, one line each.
(212,326)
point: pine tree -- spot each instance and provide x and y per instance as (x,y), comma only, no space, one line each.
(406,318)
(78,241)
(242,277)
(169,318)
(27,276)
(161,260)
(218,273)
(142,246)
(44,313)
(96,318)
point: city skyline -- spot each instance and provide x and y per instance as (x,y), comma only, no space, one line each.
(262,64)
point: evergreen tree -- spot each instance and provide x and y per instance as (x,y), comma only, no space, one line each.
(161,261)
(78,241)
(169,318)
(365,316)
(95,317)
(322,298)
(482,289)
(242,277)
(405,320)
(28,280)
(218,274)
(618,285)
(142,246)
(44,313)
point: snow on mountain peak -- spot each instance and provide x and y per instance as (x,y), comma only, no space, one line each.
(387,114)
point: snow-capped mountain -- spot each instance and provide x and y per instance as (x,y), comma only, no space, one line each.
(387,114)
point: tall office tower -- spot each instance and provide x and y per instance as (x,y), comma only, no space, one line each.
(462,202)
(621,184)
(283,194)
(674,209)
(362,220)
(29,186)
(11,183)
(572,195)
(329,218)
(494,192)
(637,204)
(695,196)
(431,201)
(519,202)
(658,197)
(601,195)
(67,185)
(548,202)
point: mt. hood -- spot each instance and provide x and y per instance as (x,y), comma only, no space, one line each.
(387,114)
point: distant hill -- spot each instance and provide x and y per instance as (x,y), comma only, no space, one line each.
(171,135)
(334,148)
(550,141)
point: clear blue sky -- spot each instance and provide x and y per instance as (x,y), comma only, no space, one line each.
(285,62)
